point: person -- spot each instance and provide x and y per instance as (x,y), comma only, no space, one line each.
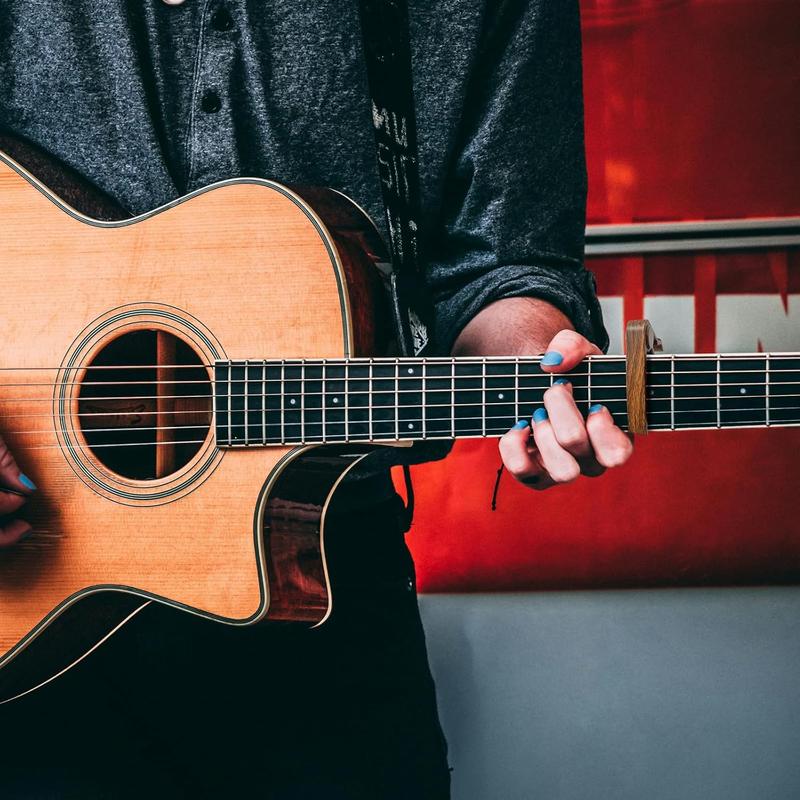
(147,101)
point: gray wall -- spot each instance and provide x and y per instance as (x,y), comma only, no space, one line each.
(633,694)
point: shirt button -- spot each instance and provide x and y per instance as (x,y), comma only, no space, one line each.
(221,20)
(210,102)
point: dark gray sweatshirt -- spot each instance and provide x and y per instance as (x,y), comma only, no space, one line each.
(148,101)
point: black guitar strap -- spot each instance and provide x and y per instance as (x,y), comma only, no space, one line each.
(387,47)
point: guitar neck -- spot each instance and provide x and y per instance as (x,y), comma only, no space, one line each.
(364,400)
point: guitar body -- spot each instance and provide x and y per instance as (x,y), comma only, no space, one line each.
(245,268)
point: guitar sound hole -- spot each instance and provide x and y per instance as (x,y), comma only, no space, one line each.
(145,405)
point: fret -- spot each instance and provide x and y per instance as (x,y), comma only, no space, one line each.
(236,426)
(283,400)
(468,405)
(500,393)
(532,385)
(423,368)
(383,401)
(263,402)
(322,402)
(246,403)
(605,379)
(396,399)
(369,402)
(410,407)
(358,415)
(273,403)
(579,378)
(292,389)
(742,391)
(346,396)
(220,401)
(517,410)
(766,382)
(483,390)
(453,399)
(303,401)
(695,393)
(784,390)
(253,403)
(311,393)
(719,405)
(334,427)
(589,383)
(438,398)
(672,392)
(230,410)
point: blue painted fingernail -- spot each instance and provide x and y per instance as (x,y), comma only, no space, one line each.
(523,423)
(552,358)
(540,415)
(561,382)
(27,482)
(595,408)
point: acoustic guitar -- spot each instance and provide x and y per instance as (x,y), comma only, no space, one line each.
(189,387)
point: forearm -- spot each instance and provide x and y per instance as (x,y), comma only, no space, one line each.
(510,327)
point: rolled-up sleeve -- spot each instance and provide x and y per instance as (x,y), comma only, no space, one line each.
(515,202)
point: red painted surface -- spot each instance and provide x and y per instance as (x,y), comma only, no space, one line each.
(692,108)
(691,113)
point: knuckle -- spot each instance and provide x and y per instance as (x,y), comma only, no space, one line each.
(565,474)
(615,456)
(517,466)
(572,437)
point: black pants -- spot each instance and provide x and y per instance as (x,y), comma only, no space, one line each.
(175,706)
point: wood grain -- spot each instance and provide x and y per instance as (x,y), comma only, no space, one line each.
(263,277)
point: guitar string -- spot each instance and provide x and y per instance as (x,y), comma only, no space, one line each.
(21,399)
(655,393)
(378,439)
(389,360)
(287,423)
(396,378)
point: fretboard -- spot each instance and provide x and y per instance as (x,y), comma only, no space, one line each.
(373,400)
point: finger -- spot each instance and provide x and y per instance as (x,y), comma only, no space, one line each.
(10,474)
(568,423)
(10,502)
(611,446)
(517,455)
(14,531)
(566,350)
(561,466)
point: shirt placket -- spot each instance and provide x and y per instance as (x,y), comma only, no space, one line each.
(212,151)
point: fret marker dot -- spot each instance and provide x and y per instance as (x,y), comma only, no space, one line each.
(292,402)
(411,426)
(410,371)
(500,396)
(335,399)
(742,390)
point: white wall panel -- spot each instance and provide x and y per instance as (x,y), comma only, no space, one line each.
(627,695)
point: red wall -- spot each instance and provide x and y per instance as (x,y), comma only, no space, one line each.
(691,112)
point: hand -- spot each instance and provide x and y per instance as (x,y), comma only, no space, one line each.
(15,488)
(557,445)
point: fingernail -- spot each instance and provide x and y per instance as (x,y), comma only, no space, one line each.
(552,358)
(523,423)
(595,408)
(27,482)
(540,415)
(561,382)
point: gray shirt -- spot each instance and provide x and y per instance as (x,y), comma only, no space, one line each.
(149,101)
